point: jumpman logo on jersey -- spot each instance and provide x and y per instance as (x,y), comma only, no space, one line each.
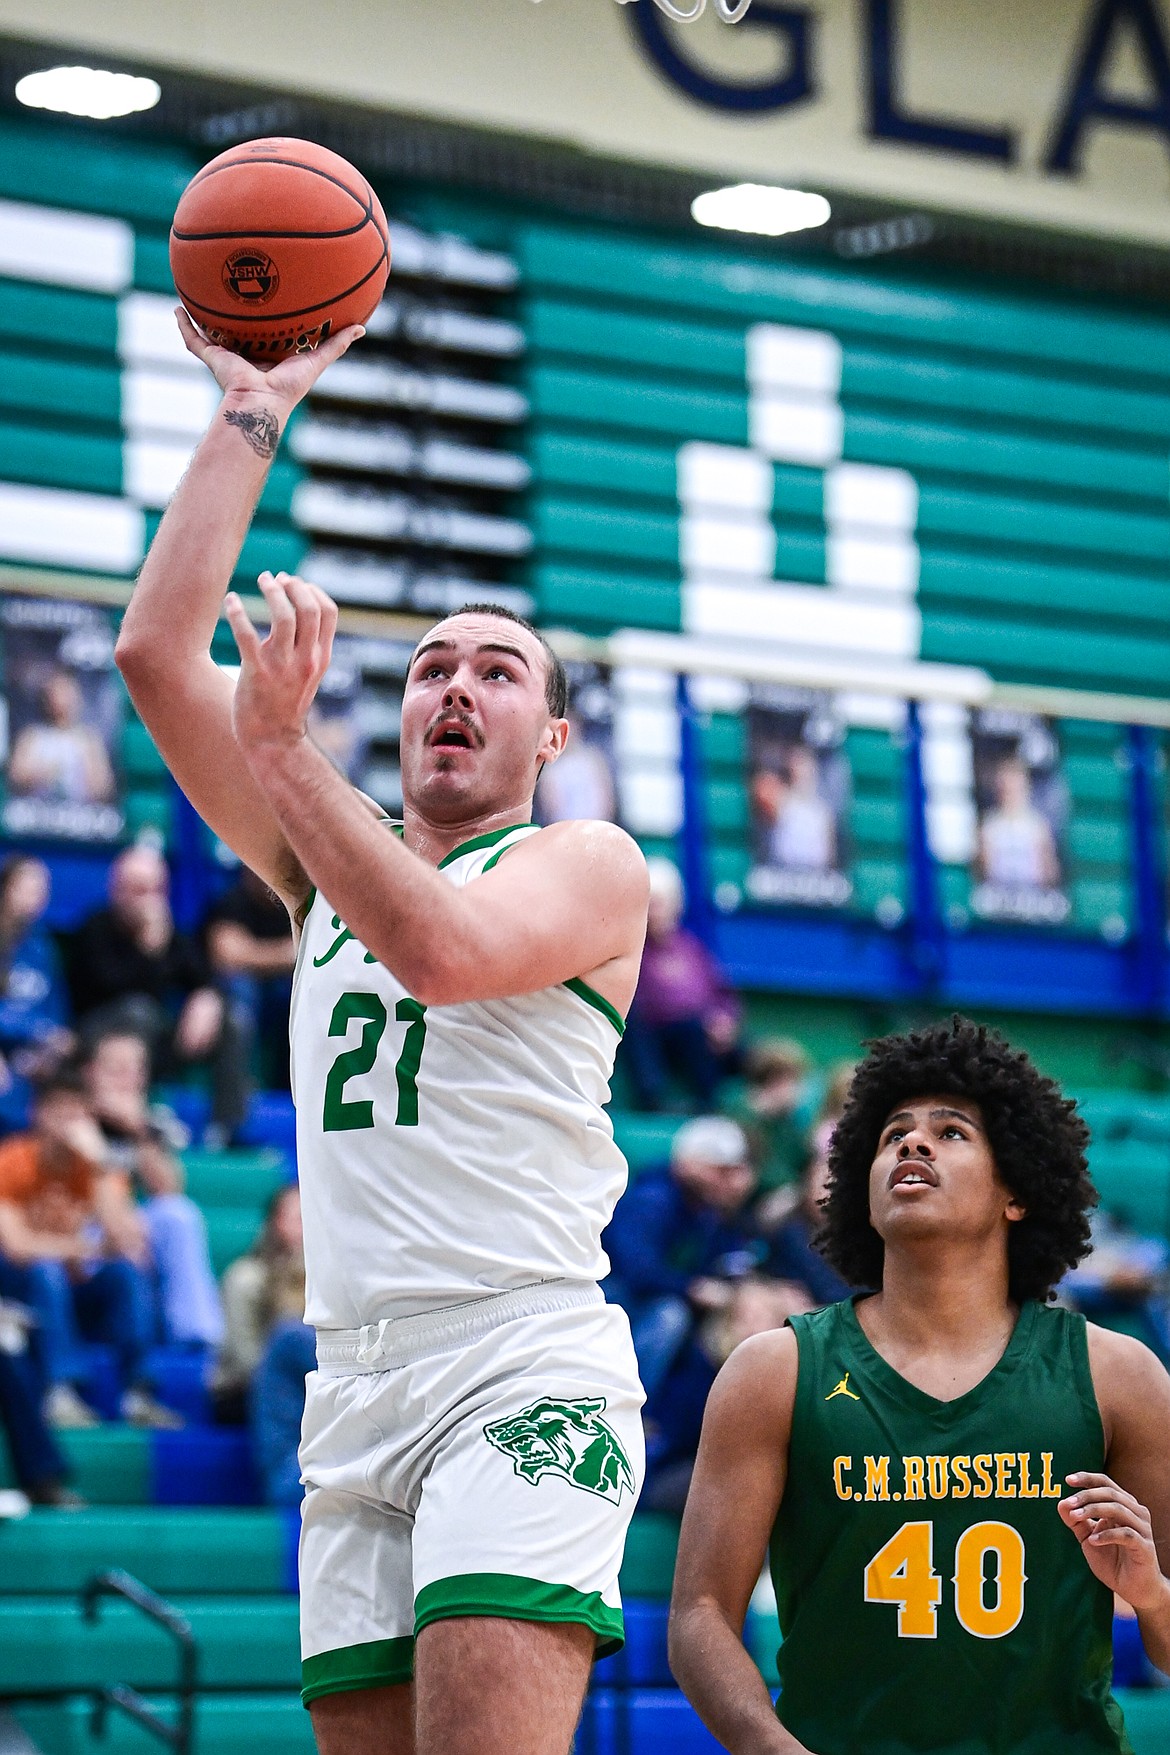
(843,1389)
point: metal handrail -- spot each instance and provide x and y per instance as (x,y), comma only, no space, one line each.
(179,1736)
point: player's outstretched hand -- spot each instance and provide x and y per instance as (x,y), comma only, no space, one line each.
(287,380)
(1116,1537)
(280,674)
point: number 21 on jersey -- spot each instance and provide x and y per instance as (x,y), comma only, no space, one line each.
(342,1114)
(902,1572)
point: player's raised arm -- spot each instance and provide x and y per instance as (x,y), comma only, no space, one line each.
(164,648)
(1122,1518)
(570,902)
(735,1494)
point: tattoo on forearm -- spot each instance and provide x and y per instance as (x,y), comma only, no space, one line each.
(261,430)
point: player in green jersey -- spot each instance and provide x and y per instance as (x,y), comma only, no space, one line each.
(954,1475)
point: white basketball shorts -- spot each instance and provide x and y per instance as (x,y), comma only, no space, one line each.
(480,1460)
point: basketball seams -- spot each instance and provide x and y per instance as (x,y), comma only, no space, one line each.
(297,164)
(348,231)
(274,318)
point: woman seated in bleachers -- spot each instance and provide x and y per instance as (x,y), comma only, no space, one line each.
(267,1349)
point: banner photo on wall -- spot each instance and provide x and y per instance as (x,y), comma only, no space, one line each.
(1021,807)
(64,712)
(798,783)
(583,783)
(356,718)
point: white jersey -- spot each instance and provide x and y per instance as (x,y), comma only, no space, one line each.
(445,1152)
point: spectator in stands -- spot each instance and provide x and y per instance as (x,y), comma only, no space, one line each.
(1123,1281)
(139,1142)
(34,1004)
(277,1404)
(681,1237)
(260,1289)
(774,1106)
(684,1021)
(73,1250)
(250,943)
(269,1342)
(131,969)
(674,1412)
(793,1256)
(41,1471)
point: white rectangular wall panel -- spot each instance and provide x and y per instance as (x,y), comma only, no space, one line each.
(868,563)
(646,733)
(53,528)
(153,468)
(724,477)
(863,496)
(806,616)
(65,249)
(168,402)
(950,829)
(783,358)
(710,544)
(793,429)
(872,712)
(718,694)
(148,334)
(651,801)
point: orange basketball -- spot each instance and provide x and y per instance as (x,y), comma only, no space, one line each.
(277,244)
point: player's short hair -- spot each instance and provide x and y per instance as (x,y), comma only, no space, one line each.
(556,682)
(1037,1140)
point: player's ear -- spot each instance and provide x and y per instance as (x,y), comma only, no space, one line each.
(1015,1210)
(553,739)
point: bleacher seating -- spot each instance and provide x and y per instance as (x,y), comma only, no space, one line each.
(1035,432)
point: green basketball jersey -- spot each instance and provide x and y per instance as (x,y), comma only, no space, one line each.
(931,1600)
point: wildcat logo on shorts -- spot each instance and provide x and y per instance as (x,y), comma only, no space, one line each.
(565,1438)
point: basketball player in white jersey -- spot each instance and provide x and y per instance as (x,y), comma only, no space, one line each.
(472,1443)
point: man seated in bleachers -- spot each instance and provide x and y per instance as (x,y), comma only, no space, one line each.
(680,1238)
(73,1250)
(250,944)
(130,968)
(673,1416)
(139,1143)
(684,1022)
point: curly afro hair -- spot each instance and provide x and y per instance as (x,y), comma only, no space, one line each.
(1036,1136)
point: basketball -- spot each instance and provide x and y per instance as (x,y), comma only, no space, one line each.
(277,244)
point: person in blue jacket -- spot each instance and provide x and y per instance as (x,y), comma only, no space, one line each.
(34,1004)
(680,1238)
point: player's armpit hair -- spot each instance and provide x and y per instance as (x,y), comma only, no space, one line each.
(260,428)
(1036,1137)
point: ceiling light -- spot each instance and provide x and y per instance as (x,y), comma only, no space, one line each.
(87,91)
(755,207)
